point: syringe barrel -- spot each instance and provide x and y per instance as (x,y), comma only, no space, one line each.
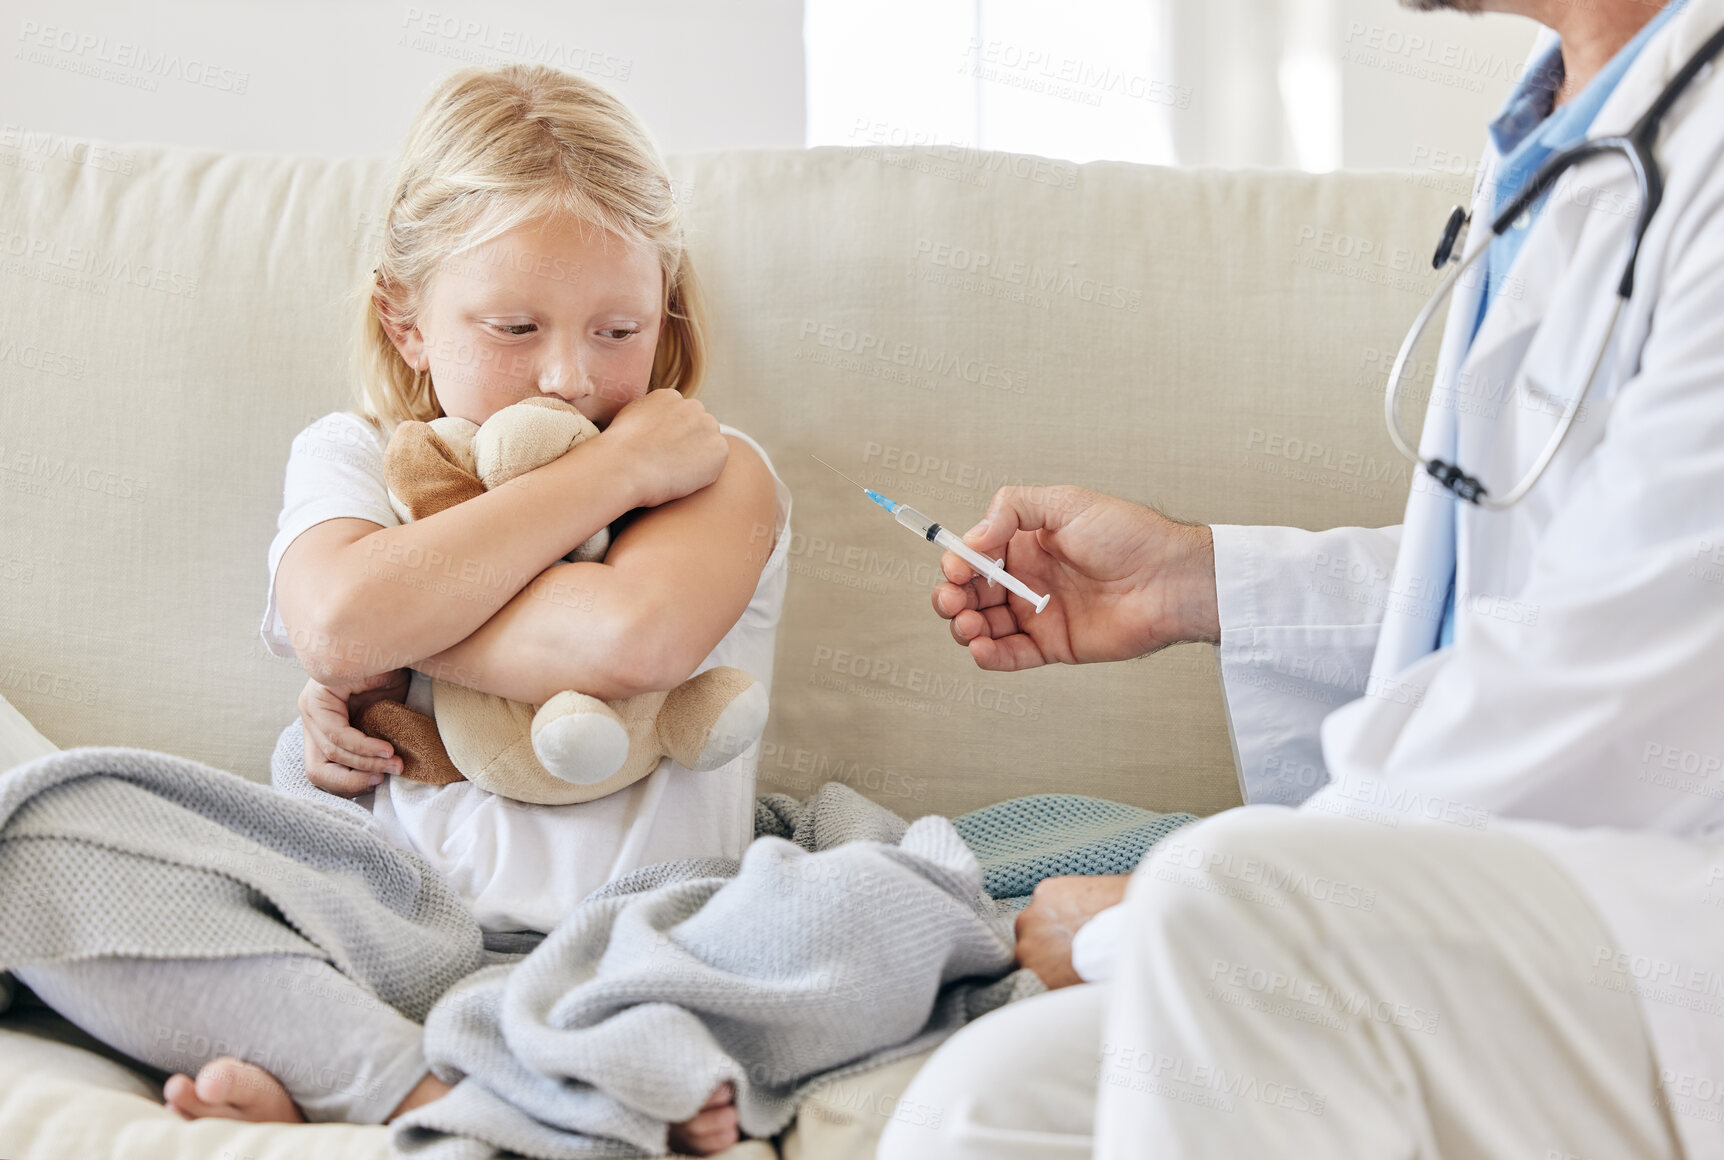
(915,521)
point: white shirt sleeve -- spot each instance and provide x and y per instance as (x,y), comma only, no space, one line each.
(334,470)
(1300,613)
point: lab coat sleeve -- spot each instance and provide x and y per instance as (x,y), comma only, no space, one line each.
(1300,612)
(1594,696)
(1095,946)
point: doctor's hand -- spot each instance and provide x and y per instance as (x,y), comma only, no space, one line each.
(1057,909)
(340,759)
(1124,580)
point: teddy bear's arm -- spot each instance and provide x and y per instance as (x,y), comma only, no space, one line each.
(423,473)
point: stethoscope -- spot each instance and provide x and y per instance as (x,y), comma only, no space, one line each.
(1637,148)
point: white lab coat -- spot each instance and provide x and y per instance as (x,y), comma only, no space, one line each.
(1585,685)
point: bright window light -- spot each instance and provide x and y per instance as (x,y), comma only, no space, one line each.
(1084,80)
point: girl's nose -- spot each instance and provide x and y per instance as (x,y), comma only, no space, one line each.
(563,377)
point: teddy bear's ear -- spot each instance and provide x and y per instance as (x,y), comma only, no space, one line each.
(424,473)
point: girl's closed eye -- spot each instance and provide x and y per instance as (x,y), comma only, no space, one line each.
(522,329)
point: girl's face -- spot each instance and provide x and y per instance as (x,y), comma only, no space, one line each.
(550,308)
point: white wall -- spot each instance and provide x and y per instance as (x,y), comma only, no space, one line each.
(1418,88)
(1318,84)
(343,77)
(1366,83)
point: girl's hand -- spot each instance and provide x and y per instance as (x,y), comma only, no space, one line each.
(339,759)
(670,444)
(1125,581)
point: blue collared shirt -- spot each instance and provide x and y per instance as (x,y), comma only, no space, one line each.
(1528,131)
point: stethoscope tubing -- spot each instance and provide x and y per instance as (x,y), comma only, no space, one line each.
(1637,146)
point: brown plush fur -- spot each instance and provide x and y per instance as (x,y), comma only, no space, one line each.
(415,738)
(422,470)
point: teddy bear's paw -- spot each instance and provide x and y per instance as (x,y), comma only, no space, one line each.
(579,745)
(738,727)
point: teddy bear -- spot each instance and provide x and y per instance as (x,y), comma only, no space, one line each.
(573,748)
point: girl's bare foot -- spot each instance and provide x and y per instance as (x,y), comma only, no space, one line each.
(713,1128)
(231,1089)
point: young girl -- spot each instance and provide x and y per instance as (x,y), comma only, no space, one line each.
(532,247)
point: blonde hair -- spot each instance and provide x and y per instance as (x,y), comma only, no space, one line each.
(494,149)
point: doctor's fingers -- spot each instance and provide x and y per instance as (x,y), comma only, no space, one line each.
(994,623)
(1027,508)
(1007,653)
(963,588)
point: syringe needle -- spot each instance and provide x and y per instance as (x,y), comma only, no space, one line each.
(829,467)
(991,570)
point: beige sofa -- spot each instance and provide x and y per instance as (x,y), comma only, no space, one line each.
(933,322)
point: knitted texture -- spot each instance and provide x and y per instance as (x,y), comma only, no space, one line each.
(872,943)
(1023,840)
(108,851)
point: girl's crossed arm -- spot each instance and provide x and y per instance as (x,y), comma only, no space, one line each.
(672,585)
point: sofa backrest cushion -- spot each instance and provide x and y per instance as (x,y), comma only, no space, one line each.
(935,323)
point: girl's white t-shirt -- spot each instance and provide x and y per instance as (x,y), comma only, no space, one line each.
(523,866)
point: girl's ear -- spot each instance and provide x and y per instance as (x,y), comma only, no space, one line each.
(407,339)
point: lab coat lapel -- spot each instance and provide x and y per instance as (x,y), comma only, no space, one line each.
(1529,370)
(1578,199)
(1426,559)
(1476,394)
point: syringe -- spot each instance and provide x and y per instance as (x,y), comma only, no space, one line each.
(993,570)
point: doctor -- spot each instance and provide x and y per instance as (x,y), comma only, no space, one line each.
(1498,929)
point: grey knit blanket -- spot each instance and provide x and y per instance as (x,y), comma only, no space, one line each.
(850,941)
(129,852)
(845,938)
